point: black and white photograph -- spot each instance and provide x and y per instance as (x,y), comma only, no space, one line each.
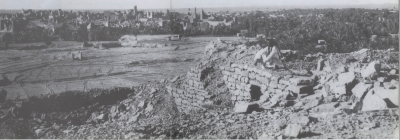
(199,69)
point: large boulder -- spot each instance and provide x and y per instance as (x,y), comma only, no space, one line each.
(242,107)
(345,83)
(346,78)
(292,131)
(373,67)
(373,102)
(391,95)
(361,89)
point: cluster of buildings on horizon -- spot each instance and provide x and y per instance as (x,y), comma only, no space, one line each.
(130,18)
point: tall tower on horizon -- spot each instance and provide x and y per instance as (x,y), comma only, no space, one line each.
(135,9)
(195,13)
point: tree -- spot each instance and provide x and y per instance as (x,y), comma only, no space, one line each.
(7,39)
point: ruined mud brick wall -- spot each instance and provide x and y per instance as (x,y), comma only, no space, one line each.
(249,83)
(191,95)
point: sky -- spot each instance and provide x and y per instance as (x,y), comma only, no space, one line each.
(163,4)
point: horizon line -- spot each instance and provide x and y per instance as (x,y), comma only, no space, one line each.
(272,6)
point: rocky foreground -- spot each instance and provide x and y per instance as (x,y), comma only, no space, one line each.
(224,96)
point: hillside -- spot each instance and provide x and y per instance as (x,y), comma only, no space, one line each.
(225,96)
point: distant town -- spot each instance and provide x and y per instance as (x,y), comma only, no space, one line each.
(292,26)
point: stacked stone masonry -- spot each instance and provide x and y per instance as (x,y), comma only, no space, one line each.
(247,84)
(192,94)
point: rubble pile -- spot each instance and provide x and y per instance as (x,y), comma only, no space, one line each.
(225,96)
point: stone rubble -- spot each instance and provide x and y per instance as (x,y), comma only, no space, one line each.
(228,98)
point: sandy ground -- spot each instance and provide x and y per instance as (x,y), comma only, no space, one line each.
(51,69)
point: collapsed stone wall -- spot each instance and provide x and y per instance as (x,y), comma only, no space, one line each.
(192,95)
(247,84)
(340,79)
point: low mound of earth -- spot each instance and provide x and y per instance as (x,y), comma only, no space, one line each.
(226,96)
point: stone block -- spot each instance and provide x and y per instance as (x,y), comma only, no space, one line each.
(252,75)
(180,91)
(263,88)
(361,89)
(292,131)
(239,98)
(235,76)
(273,85)
(391,95)
(225,78)
(246,94)
(275,79)
(199,97)
(195,84)
(247,89)
(238,71)
(300,89)
(240,66)
(258,77)
(284,82)
(245,73)
(264,80)
(266,74)
(239,87)
(346,78)
(204,92)
(339,90)
(237,92)
(245,107)
(231,79)
(191,82)
(253,82)
(373,102)
(237,82)
(300,119)
(393,72)
(301,81)
(372,68)
(250,69)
